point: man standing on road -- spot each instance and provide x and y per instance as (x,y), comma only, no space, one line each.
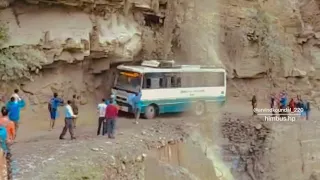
(14,107)
(102,117)
(69,116)
(273,104)
(137,106)
(308,109)
(254,104)
(111,116)
(283,104)
(75,108)
(53,105)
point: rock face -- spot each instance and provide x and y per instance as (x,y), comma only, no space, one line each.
(91,36)
(272,41)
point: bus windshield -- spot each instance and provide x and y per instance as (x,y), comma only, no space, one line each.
(130,81)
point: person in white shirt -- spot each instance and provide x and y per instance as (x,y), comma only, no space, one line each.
(102,118)
(69,116)
(16,95)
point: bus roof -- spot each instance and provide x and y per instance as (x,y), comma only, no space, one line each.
(182,68)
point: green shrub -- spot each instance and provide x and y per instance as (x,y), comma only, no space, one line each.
(19,62)
(4,37)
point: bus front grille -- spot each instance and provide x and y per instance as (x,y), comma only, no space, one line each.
(121,98)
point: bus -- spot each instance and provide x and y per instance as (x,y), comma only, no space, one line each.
(169,88)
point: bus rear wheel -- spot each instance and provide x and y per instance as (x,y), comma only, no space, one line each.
(199,108)
(150,112)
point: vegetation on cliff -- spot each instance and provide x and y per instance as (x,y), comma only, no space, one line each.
(4,37)
(19,62)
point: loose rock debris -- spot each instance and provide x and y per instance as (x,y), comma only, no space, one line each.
(247,143)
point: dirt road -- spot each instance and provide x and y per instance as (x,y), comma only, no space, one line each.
(39,154)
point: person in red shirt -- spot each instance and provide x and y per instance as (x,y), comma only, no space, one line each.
(111,116)
(292,105)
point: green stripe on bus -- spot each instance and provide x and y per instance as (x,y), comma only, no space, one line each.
(179,104)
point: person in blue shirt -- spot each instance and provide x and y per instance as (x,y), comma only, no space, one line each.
(14,107)
(137,106)
(307,109)
(68,121)
(283,104)
(53,105)
(107,102)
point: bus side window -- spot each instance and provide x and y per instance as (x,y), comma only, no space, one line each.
(175,82)
(169,82)
(162,83)
(172,82)
(178,83)
(148,83)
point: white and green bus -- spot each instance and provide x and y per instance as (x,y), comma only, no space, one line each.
(167,88)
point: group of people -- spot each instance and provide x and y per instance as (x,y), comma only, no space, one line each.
(280,102)
(107,110)
(108,113)
(9,124)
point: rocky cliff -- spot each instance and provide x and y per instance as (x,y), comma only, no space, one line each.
(71,46)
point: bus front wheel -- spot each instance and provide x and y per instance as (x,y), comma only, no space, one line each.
(199,108)
(150,112)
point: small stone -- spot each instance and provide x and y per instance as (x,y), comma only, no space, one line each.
(123,167)
(143,133)
(139,159)
(124,159)
(113,159)
(163,143)
(144,155)
(95,149)
(258,126)
(171,142)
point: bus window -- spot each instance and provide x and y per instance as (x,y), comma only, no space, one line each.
(175,82)
(155,83)
(128,81)
(178,83)
(172,82)
(148,83)
(216,79)
(162,83)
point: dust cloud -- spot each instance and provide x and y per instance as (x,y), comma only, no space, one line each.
(197,30)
